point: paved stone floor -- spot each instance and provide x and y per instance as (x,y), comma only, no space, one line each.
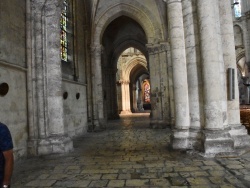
(130,154)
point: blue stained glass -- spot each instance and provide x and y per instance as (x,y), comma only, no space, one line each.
(237,8)
(64,39)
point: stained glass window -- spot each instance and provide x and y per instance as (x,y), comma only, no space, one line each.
(237,8)
(64,39)
(147,92)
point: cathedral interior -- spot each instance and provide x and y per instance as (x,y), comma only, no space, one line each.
(68,67)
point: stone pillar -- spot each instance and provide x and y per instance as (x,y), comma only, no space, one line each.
(177,45)
(49,136)
(193,73)
(98,110)
(246,38)
(134,94)
(155,86)
(238,131)
(125,97)
(139,99)
(170,87)
(166,108)
(216,139)
(90,103)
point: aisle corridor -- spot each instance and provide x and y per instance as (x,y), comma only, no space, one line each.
(130,154)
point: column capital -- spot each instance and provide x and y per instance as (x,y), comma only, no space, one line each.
(164,46)
(153,48)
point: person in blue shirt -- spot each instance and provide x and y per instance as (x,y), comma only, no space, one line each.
(6,156)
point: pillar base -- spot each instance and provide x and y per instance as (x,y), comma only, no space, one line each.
(195,140)
(124,112)
(240,136)
(158,124)
(180,139)
(216,142)
(52,145)
(99,125)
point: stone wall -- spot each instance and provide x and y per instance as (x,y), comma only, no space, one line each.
(12,24)
(75,111)
(13,110)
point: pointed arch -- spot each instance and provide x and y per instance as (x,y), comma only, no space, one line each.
(141,15)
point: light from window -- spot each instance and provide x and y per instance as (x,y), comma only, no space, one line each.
(64,39)
(237,8)
(147,92)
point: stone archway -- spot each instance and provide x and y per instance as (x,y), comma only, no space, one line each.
(153,32)
(142,16)
(128,71)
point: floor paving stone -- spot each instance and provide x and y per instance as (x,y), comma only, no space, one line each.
(130,154)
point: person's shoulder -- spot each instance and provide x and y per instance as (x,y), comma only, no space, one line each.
(3,127)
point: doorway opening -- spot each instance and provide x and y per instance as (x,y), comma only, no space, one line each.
(133,82)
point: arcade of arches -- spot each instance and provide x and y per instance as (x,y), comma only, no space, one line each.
(69,66)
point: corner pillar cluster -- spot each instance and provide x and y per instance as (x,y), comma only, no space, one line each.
(201,50)
(47,133)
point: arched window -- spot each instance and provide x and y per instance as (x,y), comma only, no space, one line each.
(64,33)
(237,8)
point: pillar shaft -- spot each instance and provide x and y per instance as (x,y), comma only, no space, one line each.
(212,65)
(229,56)
(193,64)
(193,73)
(247,38)
(177,44)
(237,131)
(216,138)
(165,91)
(126,108)
(155,86)
(98,109)
(180,134)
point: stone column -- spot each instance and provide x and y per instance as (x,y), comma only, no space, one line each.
(134,94)
(125,97)
(98,110)
(177,44)
(238,131)
(139,100)
(216,139)
(155,86)
(193,73)
(166,108)
(170,87)
(246,37)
